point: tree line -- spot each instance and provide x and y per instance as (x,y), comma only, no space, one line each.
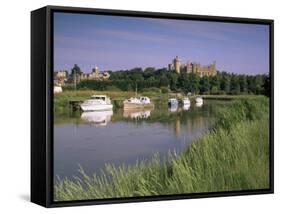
(222,83)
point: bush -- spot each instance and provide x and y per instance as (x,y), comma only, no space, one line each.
(112,88)
(152,89)
(165,90)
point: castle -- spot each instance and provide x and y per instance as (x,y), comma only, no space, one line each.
(193,67)
(62,76)
(95,75)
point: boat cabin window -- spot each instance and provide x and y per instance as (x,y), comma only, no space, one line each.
(98,98)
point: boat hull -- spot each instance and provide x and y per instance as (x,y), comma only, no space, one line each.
(100,107)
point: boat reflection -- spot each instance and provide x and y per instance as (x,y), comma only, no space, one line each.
(198,104)
(185,107)
(173,108)
(136,114)
(100,118)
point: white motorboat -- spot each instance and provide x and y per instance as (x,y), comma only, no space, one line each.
(172,103)
(97,117)
(57,89)
(185,107)
(186,101)
(199,100)
(97,103)
(137,103)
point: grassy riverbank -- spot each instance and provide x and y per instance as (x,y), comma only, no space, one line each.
(233,156)
(61,100)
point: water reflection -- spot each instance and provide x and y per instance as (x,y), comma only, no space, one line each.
(198,104)
(100,118)
(186,107)
(136,114)
(173,108)
(122,140)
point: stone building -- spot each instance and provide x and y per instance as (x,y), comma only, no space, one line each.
(60,77)
(193,67)
(94,75)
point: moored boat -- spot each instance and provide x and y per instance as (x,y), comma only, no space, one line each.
(185,101)
(97,103)
(199,100)
(57,89)
(172,102)
(137,103)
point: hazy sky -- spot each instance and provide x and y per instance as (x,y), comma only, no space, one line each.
(115,42)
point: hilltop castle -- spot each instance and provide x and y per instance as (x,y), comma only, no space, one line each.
(193,67)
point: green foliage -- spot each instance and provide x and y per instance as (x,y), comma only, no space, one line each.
(112,88)
(266,86)
(152,89)
(250,108)
(164,90)
(204,85)
(222,83)
(233,156)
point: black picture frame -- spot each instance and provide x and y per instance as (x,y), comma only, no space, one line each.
(42,103)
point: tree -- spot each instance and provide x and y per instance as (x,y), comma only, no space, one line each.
(225,83)
(193,82)
(259,82)
(214,90)
(75,75)
(164,81)
(243,83)
(173,78)
(76,70)
(204,85)
(266,85)
(234,85)
(215,82)
(183,82)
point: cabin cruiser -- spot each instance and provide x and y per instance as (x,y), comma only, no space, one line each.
(137,103)
(199,100)
(185,101)
(172,102)
(100,118)
(97,103)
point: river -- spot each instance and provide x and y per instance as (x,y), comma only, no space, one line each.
(118,137)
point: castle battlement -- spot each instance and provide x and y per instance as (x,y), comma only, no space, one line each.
(193,67)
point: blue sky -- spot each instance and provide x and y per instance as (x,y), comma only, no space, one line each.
(116,42)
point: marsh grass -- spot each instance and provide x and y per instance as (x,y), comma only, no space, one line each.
(231,157)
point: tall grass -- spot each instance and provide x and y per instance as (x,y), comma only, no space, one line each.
(233,156)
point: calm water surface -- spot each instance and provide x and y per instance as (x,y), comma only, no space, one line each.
(95,138)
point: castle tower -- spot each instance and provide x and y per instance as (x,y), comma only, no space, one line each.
(177,64)
(95,70)
(214,68)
